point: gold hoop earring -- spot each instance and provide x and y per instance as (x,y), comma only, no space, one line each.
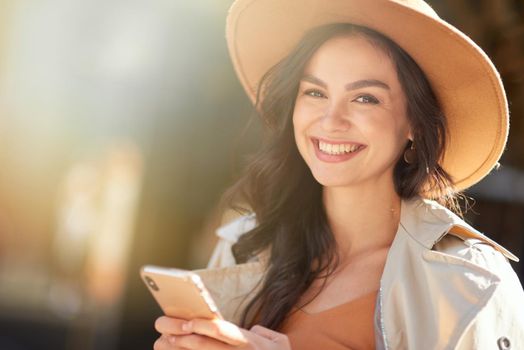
(410,154)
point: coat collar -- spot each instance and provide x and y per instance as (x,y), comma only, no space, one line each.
(427,221)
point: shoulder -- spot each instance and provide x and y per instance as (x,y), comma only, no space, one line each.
(477,250)
(460,245)
(463,241)
(237,227)
(228,235)
(436,227)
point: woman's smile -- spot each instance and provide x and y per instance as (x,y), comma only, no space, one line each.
(335,151)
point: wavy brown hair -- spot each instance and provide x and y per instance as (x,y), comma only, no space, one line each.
(279,188)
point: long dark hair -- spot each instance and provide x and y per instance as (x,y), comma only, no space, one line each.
(279,188)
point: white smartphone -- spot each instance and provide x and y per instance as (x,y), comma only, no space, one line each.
(180,293)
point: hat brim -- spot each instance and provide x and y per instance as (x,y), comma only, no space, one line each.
(262,32)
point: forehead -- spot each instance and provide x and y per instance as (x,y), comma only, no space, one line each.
(354,56)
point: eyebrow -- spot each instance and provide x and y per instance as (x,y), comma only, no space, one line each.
(350,86)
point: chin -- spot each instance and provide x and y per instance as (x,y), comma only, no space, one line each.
(331,181)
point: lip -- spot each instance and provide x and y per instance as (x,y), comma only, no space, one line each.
(332,158)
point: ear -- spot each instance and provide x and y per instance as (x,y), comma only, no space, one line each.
(410,135)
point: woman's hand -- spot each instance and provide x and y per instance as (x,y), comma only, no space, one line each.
(215,335)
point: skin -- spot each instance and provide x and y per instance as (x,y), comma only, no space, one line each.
(361,203)
(215,335)
(359,195)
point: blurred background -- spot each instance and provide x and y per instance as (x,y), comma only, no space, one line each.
(121,123)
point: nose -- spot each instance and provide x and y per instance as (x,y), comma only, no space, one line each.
(336,117)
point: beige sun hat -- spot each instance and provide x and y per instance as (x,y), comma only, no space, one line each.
(262,32)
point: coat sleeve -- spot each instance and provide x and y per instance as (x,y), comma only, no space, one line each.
(228,235)
(231,284)
(500,324)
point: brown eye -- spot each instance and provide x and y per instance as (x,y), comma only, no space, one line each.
(314,93)
(367,99)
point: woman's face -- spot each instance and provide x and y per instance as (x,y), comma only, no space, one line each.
(350,121)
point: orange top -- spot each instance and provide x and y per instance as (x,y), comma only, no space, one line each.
(343,327)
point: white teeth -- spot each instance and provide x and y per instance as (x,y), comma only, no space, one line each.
(337,148)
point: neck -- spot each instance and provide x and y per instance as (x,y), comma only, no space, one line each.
(362,218)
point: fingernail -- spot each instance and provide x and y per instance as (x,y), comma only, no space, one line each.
(186,326)
(172,339)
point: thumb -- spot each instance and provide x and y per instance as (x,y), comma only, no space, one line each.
(268,333)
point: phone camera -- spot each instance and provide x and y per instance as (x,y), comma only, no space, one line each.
(151,284)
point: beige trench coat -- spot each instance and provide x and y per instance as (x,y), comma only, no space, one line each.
(444,285)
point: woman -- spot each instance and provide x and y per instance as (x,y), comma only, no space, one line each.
(378,114)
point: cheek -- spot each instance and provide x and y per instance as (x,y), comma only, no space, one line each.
(300,125)
(390,134)
(300,122)
(306,111)
(297,128)
(299,116)
(400,138)
(296,125)
(403,128)
(402,122)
